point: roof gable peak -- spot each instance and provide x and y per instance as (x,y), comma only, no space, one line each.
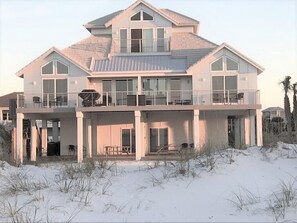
(135,4)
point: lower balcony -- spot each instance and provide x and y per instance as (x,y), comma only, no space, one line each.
(92,98)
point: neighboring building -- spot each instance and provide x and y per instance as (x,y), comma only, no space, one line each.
(148,80)
(272,112)
(4,106)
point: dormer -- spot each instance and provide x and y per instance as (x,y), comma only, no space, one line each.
(142,28)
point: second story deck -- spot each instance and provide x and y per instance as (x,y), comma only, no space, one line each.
(147,100)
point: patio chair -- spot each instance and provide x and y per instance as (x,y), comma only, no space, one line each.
(36,100)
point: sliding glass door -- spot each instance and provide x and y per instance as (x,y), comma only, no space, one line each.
(158,138)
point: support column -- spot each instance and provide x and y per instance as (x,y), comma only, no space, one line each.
(19,146)
(44,138)
(247,131)
(89,133)
(138,135)
(79,127)
(55,131)
(33,140)
(14,143)
(196,130)
(237,133)
(139,89)
(259,127)
(253,130)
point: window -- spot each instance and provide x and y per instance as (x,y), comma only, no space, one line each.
(160,40)
(5,115)
(147,45)
(123,40)
(128,139)
(55,90)
(48,69)
(136,40)
(231,64)
(158,137)
(124,88)
(141,40)
(106,85)
(141,16)
(61,68)
(224,89)
(217,65)
(147,16)
(224,63)
(136,17)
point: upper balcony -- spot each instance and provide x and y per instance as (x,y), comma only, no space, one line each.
(124,46)
(89,98)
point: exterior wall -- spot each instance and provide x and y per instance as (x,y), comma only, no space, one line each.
(179,129)
(107,31)
(213,129)
(68,134)
(109,126)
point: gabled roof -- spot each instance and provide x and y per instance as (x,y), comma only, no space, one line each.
(141,63)
(180,19)
(4,100)
(21,72)
(174,17)
(270,109)
(260,69)
(100,23)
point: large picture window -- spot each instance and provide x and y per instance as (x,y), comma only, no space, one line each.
(123,88)
(141,40)
(55,91)
(224,89)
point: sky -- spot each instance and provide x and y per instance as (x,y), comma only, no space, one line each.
(263,30)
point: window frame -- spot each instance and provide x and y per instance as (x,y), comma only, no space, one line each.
(55,68)
(222,57)
(141,16)
(223,92)
(55,94)
(224,64)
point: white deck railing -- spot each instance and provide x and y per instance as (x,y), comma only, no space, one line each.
(145,98)
(141,45)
